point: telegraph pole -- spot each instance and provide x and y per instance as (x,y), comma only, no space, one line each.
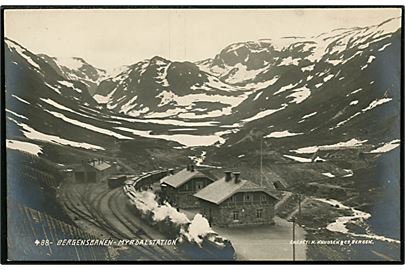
(261,161)
(293,237)
(299,205)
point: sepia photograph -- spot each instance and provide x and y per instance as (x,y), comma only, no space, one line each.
(225,134)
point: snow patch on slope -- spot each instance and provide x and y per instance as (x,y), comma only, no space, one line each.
(27,147)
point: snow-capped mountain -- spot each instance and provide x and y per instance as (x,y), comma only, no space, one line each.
(158,87)
(76,69)
(244,62)
(329,91)
(335,87)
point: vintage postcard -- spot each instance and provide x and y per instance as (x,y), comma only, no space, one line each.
(202,134)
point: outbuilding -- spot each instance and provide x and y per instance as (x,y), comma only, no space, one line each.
(178,188)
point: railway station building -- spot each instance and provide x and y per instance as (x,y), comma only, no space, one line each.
(232,201)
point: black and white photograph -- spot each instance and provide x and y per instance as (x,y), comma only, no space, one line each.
(169,134)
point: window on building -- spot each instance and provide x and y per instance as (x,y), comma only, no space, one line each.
(199,185)
(259,213)
(263,198)
(247,197)
(235,215)
(232,199)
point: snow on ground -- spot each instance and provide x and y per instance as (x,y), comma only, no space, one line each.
(33,134)
(27,147)
(183,129)
(260,85)
(199,160)
(383,47)
(257,96)
(16,114)
(308,68)
(104,99)
(167,122)
(299,159)
(214,83)
(309,115)
(264,113)
(59,106)
(312,149)
(330,175)
(354,102)
(20,99)
(327,78)
(21,51)
(349,173)
(319,159)
(370,59)
(185,139)
(387,147)
(243,74)
(135,113)
(285,88)
(354,92)
(210,114)
(56,105)
(129,105)
(300,95)
(70,85)
(87,126)
(289,61)
(53,88)
(168,97)
(281,134)
(340,224)
(335,62)
(376,103)
(372,105)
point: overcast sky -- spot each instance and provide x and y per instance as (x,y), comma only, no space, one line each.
(110,38)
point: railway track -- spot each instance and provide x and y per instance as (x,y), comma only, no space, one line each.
(124,231)
(69,204)
(100,207)
(100,224)
(96,205)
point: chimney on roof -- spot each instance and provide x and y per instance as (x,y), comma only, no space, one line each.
(192,167)
(170,171)
(237,177)
(228,176)
(188,167)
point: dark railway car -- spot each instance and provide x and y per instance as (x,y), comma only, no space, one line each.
(116,181)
